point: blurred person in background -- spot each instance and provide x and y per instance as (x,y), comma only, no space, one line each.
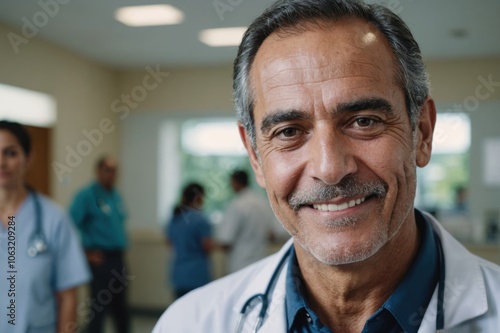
(247,226)
(461,199)
(40,254)
(189,234)
(99,214)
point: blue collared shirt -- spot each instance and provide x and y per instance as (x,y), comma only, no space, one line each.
(402,312)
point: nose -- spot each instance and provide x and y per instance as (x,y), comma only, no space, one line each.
(331,158)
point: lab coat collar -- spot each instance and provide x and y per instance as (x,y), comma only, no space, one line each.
(275,317)
(465,291)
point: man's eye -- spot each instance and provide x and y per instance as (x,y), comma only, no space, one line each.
(288,132)
(364,122)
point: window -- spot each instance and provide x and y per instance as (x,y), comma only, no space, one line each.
(204,150)
(448,170)
(27,107)
(211,150)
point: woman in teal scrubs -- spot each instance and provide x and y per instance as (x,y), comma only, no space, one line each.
(41,260)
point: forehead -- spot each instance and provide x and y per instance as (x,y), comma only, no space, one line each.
(108,165)
(7,138)
(335,54)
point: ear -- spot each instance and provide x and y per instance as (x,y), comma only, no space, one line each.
(425,131)
(252,155)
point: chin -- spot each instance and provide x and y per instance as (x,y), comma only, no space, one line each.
(337,257)
(333,251)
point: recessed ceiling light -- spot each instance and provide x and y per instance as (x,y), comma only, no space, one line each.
(141,16)
(222,36)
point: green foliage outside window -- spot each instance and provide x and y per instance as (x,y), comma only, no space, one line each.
(439,180)
(213,172)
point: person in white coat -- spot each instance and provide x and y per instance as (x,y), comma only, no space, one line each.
(248,225)
(335,113)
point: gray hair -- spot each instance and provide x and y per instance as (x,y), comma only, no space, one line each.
(292,15)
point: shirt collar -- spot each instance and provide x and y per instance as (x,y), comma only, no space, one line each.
(98,188)
(294,300)
(408,302)
(410,299)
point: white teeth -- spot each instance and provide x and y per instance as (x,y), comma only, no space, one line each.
(342,206)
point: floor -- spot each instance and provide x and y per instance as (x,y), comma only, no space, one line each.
(140,324)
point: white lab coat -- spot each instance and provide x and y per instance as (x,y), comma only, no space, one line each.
(471,297)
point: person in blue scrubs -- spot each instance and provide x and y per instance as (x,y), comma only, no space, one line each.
(41,258)
(190,235)
(99,214)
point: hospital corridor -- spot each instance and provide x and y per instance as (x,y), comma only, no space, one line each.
(132,172)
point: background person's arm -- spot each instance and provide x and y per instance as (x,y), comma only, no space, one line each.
(66,311)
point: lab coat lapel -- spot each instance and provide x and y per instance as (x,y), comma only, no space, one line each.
(275,318)
(465,292)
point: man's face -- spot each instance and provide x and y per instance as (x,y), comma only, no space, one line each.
(335,149)
(106,174)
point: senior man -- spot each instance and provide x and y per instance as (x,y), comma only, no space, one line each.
(335,113)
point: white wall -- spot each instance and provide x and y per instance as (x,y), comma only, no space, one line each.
(485,123)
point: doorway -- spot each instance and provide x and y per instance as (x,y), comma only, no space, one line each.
(39,175)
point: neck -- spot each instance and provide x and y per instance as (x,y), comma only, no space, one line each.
(106,187)
(345,296)
(240,189)
(10,200)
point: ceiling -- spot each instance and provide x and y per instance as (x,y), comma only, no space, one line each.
(88,28)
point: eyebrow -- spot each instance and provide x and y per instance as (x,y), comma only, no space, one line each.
(282,116)
(12,146)
(371,103)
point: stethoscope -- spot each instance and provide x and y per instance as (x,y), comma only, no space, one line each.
(37,242)
(265,297)
(101,203)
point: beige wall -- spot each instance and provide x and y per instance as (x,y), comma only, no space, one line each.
(210,88)
(83,91)
(185,90)
(452,81)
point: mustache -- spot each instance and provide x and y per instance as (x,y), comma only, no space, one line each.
(347,187)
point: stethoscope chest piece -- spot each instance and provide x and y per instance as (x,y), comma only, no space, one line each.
(38,246)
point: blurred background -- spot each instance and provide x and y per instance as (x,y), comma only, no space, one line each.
(88,81)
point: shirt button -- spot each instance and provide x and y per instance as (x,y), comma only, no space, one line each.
(309,320)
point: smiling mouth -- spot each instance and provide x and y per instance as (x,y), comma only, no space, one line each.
(339,207)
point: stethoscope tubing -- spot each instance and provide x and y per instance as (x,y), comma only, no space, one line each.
(38,243)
